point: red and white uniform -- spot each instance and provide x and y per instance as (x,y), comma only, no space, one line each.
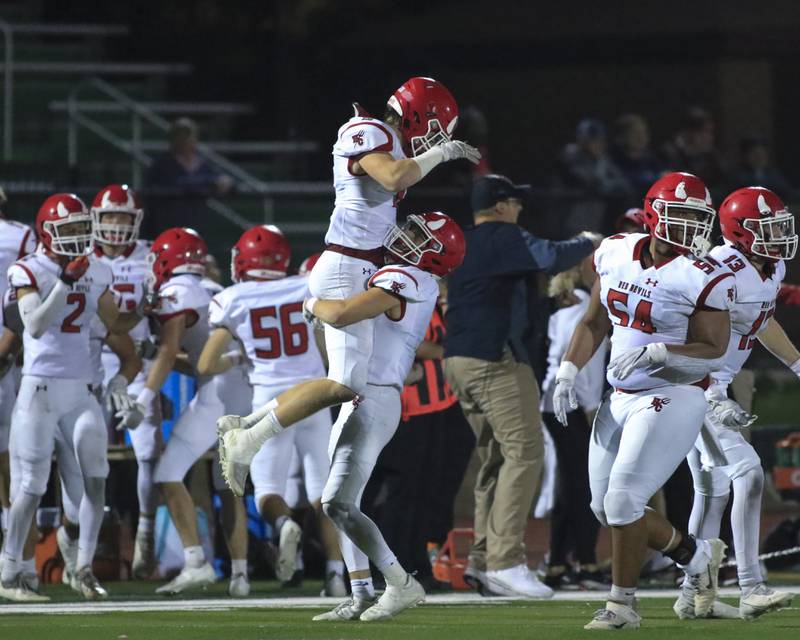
(16,240)
(754,306)
(195,431)
(648,424)
(266,318)
(56,378)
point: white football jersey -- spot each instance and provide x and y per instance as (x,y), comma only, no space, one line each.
(654,304)
(63,350)
(184,295)
(364,211)
(396,341)
(130,270)
(16,240)
(266,317)
(753,307)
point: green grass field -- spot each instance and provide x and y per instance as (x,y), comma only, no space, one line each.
(490,620)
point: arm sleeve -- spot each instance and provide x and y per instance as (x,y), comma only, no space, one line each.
(38,314)
(554,257)
(363,136)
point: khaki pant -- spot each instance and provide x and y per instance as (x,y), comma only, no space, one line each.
(501,402)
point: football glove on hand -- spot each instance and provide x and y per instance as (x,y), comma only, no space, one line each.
(730,414)
(308,314)
(639,358)
(74,270)
(564,398)
(121,405)
(457,149)
(130,416)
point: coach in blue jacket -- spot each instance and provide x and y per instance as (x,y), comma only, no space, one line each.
(488,369)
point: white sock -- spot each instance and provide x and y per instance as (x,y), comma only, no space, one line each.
(700,558)
(28,566)
(194,557)
(706,519)
(623,595)
(146,526)
(239,567)
(395,575)
(746,525)
(4,520)
(146,486)
(90,518)
(334,566)
(259,414)
(266,428)
(362,588)
(19,522)
(298,561)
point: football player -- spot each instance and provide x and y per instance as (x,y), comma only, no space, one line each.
(263,311)
(116,218)
(668,312)
(59,289)
(759,235)
(177,260)
(371,171)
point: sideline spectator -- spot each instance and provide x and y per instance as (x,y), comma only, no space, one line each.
(487,368)
(632,154)
(693,150)
(756,168)
(573,526)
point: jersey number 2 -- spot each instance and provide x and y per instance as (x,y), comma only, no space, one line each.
(68,325)
(641,315)
(293,337)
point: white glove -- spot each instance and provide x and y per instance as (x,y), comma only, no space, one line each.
(458,149)
(639,358)
(116,393)
(308,313)
(131,416)
(730,414)
(564,398)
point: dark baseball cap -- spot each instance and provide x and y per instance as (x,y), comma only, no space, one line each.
(491,189)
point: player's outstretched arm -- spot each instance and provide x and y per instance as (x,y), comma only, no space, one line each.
(589,332)
(169,346)
(214,359)
(130,364)
(775,340)
(341,313)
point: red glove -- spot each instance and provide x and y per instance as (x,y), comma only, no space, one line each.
(74,270)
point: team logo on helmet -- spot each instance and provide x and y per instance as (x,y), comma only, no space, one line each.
(763,207)
(680,191)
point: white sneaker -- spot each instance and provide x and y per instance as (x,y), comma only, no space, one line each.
(69,552)
(144,557)
(615,617)
(348,610)
(189,578)
(517,581)
(334,586)
(684,607)
(707,581)
(762,599)
(236,452)
(19,591)
(394,600)
(239,586)
(476,579)
(289,540)
(89,585)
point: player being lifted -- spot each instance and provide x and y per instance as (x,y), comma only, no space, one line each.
(668,312)
(59,289)
(759,235)
(371,170)
(263,311)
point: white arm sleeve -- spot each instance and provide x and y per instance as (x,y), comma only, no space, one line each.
(38,314)
(681,369)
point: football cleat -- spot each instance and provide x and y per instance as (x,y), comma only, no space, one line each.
(239,586)
(236,452)
(684,606)
(762,599)
(334,586)
(288,541)
(189,578)
(348,610)
(69,552)
(19,590)
(89,586)
(395,600)
(615,617)
(144,557)
(476,579)
(706,582)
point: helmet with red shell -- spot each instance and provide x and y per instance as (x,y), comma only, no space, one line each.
(756,221)
(64,225)
(261,253)
(175,251)
(677,209)
(632,219)
(308,264)
(428,113)
(431,241)
(116,198)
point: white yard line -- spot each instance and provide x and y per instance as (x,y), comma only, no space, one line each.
(220,604)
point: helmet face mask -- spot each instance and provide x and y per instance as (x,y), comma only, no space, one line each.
(70,237)
(686,227)
(121,204)
(432,242)
(411,241)
(773,237)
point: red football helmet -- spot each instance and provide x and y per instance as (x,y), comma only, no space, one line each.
(431,241)
(677,210)
(64,225)
(308,264)
(175,251)
(428,113)
(756,222)
(262,253)
(115,199)
(631,220)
